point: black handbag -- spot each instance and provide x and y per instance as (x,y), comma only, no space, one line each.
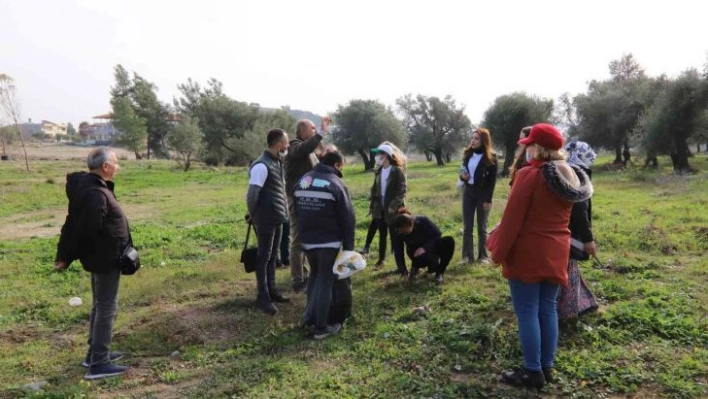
(130,259)
(248,255)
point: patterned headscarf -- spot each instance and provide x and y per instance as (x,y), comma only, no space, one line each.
(580,153)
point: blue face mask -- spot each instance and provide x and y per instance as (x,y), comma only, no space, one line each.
(529,157)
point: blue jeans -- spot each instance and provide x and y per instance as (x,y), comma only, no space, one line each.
(535,308)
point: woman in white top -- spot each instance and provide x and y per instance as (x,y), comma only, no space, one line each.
(388,194)
(479,172)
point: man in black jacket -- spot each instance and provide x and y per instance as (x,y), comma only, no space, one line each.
(301,158)
(96,232)
(326,222)
(268,209)
(425,245)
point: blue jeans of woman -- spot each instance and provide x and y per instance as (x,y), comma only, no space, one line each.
(535,308)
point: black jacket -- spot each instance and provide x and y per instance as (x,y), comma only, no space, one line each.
(485,176)
(324,210)
(425,235)
(297,162)
(581,218)
(96,229)
(272,207)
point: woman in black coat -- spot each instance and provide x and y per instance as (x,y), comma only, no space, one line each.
(479,174)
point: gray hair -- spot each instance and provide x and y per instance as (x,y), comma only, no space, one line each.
(98,157)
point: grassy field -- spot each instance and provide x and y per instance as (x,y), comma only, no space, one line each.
(649,339)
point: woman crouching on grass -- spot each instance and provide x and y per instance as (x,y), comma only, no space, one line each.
(532,243)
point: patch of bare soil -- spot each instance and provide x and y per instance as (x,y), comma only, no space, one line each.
(48,222)
(57,152)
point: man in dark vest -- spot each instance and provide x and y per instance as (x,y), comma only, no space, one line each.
(268,208)
(301,158)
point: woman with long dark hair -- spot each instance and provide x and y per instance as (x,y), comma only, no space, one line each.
(479,173)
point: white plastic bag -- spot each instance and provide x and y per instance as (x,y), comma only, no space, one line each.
(348,263)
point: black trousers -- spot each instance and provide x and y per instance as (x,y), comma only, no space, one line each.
(399,253)
(373,228)
(268,244)
(438,260)
(319,286)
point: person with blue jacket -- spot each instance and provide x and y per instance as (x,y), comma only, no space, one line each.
(326,225)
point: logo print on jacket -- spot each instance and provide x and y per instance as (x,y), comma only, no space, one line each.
(305,182)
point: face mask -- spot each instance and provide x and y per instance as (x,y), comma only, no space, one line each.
(379,161)
(529,156)
(283,154)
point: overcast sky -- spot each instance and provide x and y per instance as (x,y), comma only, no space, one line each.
(315,55)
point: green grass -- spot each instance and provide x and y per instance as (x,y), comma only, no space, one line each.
(192,295)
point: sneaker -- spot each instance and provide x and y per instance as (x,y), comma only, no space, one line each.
(438,278)
(331,329)
(113,357)
(464,261)
(277,297)
(483,261)
(548,375)
(364,251)
(379,265)
(103,371)
(524,378)
(266,306)
(300,286)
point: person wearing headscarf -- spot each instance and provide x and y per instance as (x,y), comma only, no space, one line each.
(576,299)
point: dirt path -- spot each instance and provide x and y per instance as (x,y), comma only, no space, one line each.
(48,222)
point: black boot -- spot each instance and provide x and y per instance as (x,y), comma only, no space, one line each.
(548,375)
(265,305)
(524,378)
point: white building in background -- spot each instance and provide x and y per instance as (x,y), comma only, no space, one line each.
(52,129)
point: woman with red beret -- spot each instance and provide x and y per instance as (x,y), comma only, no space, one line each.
(532,243)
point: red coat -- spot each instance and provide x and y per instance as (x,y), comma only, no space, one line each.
(532,241)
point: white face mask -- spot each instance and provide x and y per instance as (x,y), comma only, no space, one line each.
(379,160)
(283,154)
(529,156)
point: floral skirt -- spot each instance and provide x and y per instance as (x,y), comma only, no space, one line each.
(575,299)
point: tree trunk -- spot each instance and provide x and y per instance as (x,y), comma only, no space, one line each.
(428,156)
(22,140)
(508,159)
(439,157)
(188,163)
(366,159)
(448,157)
(4,154)
(680,158)
(137,155)
(618,153)
(698,147)
(148,148)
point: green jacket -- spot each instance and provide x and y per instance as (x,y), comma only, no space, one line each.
(396,187)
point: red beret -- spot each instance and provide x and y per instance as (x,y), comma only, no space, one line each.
(544,135)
